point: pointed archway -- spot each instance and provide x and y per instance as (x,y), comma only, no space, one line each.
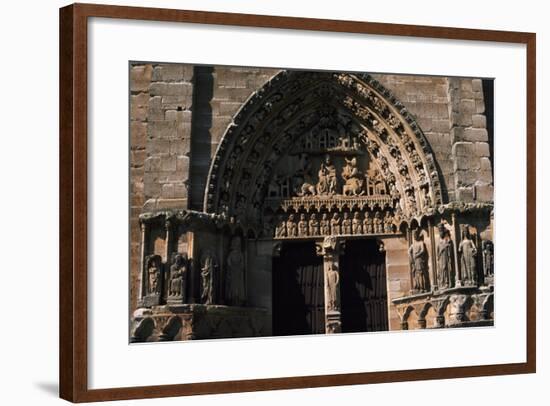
(312,114)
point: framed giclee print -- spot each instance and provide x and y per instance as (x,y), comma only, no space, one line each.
(255,202)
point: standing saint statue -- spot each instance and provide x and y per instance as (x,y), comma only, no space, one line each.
(487,248)
(178,277)
(468,252)
(235,283)
(444,257)
(153,275)
(333,281)
(207,278)
(418,259)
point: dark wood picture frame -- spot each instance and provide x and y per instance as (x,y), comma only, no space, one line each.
(73,362)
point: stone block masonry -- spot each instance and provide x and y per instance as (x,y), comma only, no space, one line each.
(179,113)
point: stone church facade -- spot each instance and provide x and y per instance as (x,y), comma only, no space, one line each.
(276,202)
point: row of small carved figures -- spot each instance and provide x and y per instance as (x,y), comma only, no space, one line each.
(312,227)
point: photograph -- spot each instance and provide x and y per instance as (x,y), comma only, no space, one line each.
(281,202)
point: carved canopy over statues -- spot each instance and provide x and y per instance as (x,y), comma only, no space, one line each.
(321,135)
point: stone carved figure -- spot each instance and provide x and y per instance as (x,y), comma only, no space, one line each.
(418,259)
(378,223)
(153,275)
(314,225)
(356,224)
(468,252)
(388,223)
(353,178)
(487,248)
(368,225)
(235,288)
(335,224)
(444,257)
(208,265)
(280,229)
(178,277)
(325,224)
(303,226)
(307,188)
(327,178)
(333,281)
(346,224)
(291,227)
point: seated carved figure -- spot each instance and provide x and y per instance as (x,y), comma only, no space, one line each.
(325,224)
(303,226)
(353,178)
(327,178)
(368,225)
(346,224)
(314,226)
(357,224)
(291,227)
(280,229)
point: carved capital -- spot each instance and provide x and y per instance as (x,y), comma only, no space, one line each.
(330,246)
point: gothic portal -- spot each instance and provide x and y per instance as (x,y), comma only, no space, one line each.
(321,206)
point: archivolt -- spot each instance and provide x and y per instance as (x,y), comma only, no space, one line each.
(272,119)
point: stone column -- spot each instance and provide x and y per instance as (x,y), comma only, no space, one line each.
(168,240)
(331,248)
(193,278)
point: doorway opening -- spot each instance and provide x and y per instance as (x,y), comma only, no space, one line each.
(363,288)
(298,290)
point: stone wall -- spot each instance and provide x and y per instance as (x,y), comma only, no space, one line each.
(451,113)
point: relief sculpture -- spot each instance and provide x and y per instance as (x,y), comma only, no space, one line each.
(178,277)
(418,259)
(468,252)
(444,257)
(208,265)
(235,289)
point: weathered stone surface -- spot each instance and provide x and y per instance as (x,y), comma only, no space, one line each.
(172,73)
(170,89)
(138,106)
(140,78)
